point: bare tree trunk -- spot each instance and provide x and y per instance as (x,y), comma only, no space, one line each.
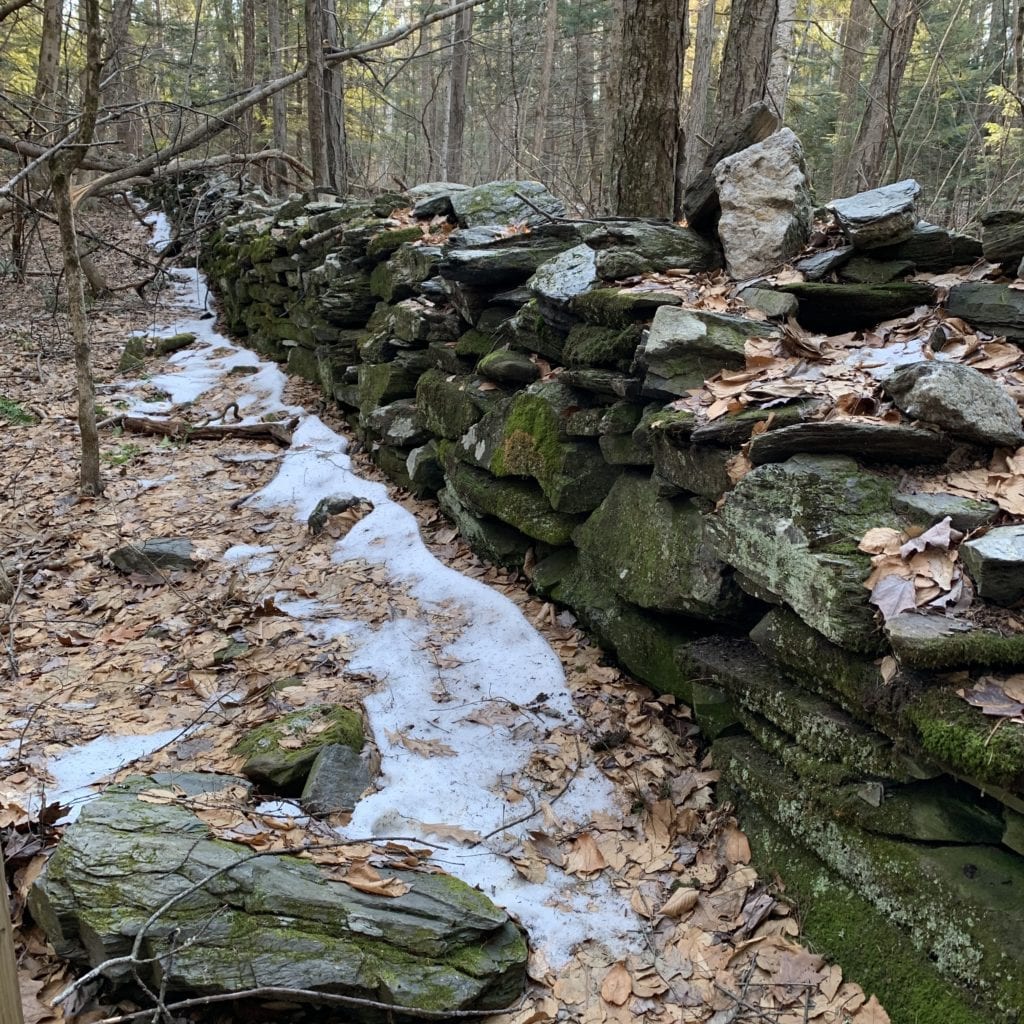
(10,994)
(778,72)
(696,143)
(878,123)
(645,130)
(315,112)
(745,63)
(462,30)
(334,104)
(62,167)
(546,74)
(279,102)
(43,114)
(853,41)
(248,70)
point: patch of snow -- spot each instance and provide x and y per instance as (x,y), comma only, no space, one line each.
(258,557)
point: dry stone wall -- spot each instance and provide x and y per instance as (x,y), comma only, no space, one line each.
(502,370)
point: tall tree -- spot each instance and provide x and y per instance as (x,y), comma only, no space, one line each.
(696,142)
(462,33)
(645,133)
(877,126)
(853,41)
(782,57)
(746,61)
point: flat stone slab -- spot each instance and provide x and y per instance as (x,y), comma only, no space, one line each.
(959,399)
(558,281)
(336,781)
(993,308)
(881,216)
(996,564)
(836,308)
(769,301)
(160,553)
(965,514)
(506,202)
(264,921)
(1002,236)
(871,442)
(933,248)
(821,264)
(939,642)
(434,198)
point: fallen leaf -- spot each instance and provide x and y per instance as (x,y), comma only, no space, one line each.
(617,986)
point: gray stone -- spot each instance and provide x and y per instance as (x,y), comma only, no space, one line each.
(558,281)
(870,442)
(490,538)
(881,216)
(161,553)
(837,308)
(269,921)
(694,469)
(336,781)
(933,248)
(791,529)
(499,264)
(424,468)
(420,321)
(506,202)
(684,347)
(821,264)
(507,366)
(965,514)
(766,205)
(866,270)
(958,398)
(940,642)
(769,301)
(993,308)
(1002,236)
(434,198)
(631,247)
(996,564)
(398,424)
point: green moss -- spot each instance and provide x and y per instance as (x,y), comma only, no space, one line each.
(475,344)
(961,738)
(383,245)
(610,307)
(531,445)
(448,405)
(588,345)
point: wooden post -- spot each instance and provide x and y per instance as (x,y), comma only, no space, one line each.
(10,992)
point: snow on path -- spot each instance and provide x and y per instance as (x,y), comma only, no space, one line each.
(495,658)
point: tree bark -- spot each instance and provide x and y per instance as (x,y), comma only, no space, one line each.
(334,104)
(10,994)
(877,126)
(279,108)
(540,123)
(645,130)
(853,41)
(315,106)
(462,30)
(43,113)
(248,70)
(695,141)
(779,70)
(747,58)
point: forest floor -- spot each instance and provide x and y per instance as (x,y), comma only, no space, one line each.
(511,748)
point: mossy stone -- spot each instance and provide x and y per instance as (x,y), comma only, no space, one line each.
(793,529)
(508,367)
(490,538)
(610,307)
(449,405)
(286,767)
(383,245)
(588,345)
(652,552)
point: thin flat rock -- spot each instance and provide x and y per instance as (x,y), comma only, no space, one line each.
(871,442)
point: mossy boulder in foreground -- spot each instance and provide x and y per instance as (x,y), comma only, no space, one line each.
(268,921)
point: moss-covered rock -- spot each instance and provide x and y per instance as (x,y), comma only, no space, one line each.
(490,538)
(502,202)
(450,405)
(382,246)
(938,642)
(516,502)
(281,752)
(695,469)
(508,367)
(652,552)
(610,307)
(793,529)
(240,923)
(381,383)
(588,345)
(527,438)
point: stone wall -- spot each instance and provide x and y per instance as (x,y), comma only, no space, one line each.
(503,371)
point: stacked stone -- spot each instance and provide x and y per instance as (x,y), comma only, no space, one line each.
(890,807)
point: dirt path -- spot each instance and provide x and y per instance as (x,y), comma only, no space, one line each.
(535,769)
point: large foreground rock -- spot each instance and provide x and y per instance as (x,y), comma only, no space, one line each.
(270,921)
(766,205)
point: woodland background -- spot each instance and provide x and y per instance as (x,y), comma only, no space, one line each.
(606,101)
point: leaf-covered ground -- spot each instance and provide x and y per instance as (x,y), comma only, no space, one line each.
(192,660)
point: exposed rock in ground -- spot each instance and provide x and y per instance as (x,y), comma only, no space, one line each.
(958,398)
(265,921)
(336,780)
(281,752)
(162,553)
(881,216)
(766,205)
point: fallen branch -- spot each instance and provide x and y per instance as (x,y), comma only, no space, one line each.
(182,430)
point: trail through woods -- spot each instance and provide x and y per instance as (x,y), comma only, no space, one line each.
(512,753)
